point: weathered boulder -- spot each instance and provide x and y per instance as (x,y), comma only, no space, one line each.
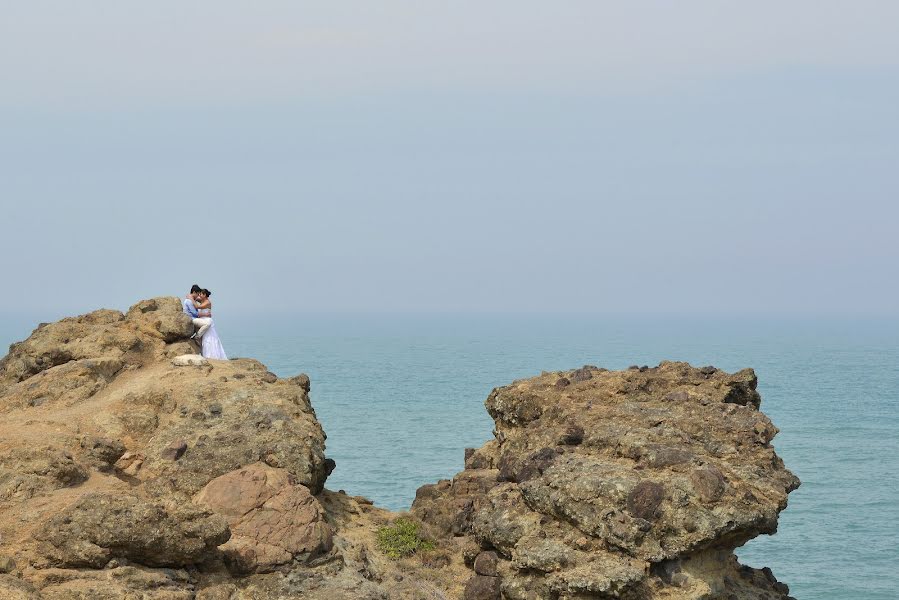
(99,527)
(161,317)
(273,520)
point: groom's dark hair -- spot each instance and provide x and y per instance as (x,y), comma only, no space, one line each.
(195,288)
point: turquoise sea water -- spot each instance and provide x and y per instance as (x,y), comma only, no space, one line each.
(400,397)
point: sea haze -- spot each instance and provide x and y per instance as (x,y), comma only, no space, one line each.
(400,397)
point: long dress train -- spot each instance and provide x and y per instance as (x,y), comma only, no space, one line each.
(212,345)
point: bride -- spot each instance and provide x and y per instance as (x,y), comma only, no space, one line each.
(211,344)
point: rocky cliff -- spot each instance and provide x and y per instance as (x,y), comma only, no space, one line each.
(129,471)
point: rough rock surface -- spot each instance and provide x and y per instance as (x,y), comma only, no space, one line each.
(99,527)
(124,475)
(608,484)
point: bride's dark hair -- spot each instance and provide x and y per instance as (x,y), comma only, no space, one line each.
(207,292)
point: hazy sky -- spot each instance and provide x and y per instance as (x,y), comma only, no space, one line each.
(640,157)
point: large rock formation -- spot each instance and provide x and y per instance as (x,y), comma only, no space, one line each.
(630,484)
(130,471)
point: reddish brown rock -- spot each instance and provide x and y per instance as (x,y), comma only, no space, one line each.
(273,520)
(174,451)
(644,500)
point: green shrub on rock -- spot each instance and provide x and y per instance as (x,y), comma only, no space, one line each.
(402,538)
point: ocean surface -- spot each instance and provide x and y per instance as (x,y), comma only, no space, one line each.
(400,397)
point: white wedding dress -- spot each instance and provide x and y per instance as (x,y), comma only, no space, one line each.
(212,345)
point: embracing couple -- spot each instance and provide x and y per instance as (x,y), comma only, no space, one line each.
(198,307)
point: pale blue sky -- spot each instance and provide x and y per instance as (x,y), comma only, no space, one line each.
(654,157)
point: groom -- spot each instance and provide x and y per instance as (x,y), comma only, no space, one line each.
(191,311)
